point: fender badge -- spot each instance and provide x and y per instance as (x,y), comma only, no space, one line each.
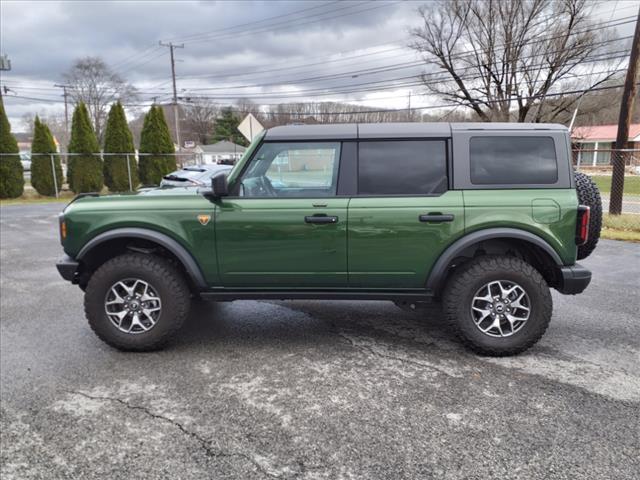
(204,219)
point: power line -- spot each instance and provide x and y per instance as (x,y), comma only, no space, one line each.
(433,107)
(372,71)
(279,24)
(456,56)
(52,100)
(434,78)
(393,97)
(296,12)
(373,85)
(460,55)
(430,107)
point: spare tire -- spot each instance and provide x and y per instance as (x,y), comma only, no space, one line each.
(589,195)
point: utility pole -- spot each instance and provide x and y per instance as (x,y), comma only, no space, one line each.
(66,108)
(626,110)
(5,66)
(5,63)
(175,92)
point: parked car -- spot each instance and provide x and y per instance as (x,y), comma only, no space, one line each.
(484,218)
(25,160)
(193,176)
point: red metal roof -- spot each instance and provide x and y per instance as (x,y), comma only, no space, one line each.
(603,132)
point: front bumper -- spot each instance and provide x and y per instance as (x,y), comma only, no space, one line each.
(68,268)
(574,279)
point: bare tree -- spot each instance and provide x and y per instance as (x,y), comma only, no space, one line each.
(245,106)
(199,118)
(91,81)
(329,112)
(501,58)
(55,123)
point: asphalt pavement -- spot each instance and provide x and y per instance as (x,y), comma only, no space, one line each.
(310,389)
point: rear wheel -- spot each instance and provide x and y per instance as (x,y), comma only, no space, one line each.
(498,305)
(136,302)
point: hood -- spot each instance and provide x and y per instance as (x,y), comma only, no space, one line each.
(145,199)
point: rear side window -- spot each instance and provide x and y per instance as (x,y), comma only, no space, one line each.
(512,160)
(403,167)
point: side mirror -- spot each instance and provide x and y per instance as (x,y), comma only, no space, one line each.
(219,185)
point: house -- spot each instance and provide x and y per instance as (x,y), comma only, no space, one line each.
(594,143)
(223,151)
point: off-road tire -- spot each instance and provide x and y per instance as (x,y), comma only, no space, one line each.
(589,195)
(470,277)
(170,285)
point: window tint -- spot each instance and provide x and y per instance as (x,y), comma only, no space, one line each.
(404,167)
(512,160)
(293,170)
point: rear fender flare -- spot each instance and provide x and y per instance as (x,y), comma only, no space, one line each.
(439,271)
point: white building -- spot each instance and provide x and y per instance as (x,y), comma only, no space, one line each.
(594,143)
(221,152)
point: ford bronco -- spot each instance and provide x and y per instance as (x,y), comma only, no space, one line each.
(484,218)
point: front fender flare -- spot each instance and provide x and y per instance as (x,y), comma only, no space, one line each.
(439,271)
(186,259)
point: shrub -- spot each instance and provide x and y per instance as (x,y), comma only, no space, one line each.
(118,139)
(11,172)
(42,148)
(155,140)
(84,171)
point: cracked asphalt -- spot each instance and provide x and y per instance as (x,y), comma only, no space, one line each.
(309,389)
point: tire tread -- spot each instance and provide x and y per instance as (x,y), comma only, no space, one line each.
(478,268)
(149,263)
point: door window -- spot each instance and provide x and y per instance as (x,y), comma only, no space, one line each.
(402,167)
(292,170)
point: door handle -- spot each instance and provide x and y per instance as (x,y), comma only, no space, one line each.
(436,217)
(322,218)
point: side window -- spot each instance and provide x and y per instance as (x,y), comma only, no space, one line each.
(512,160)
(292,170)
(402,167)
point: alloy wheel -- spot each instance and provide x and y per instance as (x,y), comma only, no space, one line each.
(133,306)
(500,308)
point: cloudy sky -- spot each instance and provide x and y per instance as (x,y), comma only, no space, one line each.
(268,51)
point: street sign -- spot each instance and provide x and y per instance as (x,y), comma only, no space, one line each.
(250,127)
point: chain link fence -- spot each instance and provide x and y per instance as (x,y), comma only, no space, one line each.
(181,160)
(598,164)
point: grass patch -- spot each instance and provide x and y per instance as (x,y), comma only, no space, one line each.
(620,235)
(631,184)
(30,198)
(626,221)
(621,227)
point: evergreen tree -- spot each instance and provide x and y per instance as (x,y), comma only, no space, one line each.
(155,140)
(85,171)
(42,147)
(118,139)
(11,172)
(226,128)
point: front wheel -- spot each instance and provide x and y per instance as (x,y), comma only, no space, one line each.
(498,305)
(136,301)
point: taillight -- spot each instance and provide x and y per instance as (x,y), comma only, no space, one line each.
(582,225)
(63,228)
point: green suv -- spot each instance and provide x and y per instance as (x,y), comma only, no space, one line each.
(484,218)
